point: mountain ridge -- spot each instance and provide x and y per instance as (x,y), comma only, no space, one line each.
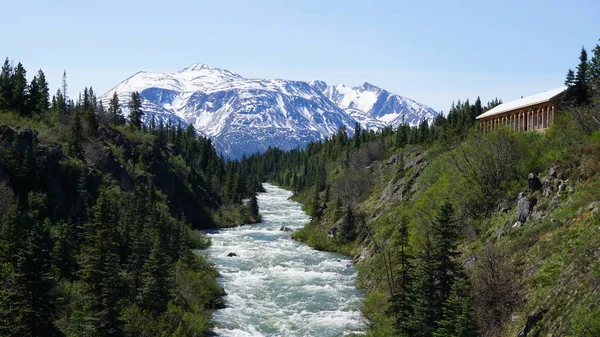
(247,115)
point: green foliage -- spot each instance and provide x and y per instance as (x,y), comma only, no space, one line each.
(135,111)
(585,323)
(95,221)
(253,206)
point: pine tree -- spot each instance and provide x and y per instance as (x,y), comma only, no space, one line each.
(356,137)
(59,108)
(423,132)
(426,306)
(39,282)
(115,112)
(253,206)
(75,140)
(594,69)
(401,306)
(317,212)
(570,78)
(458,314)
(445,236)
(580,87)
(42,105)
(154,293)
(348,227)
(100,270)
(33,97)
(64,86)
(12,302)
(6,84)
(89,111)
(19,90)
(135,111)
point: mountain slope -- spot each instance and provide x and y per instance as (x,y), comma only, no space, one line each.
(379,104)
(245,116)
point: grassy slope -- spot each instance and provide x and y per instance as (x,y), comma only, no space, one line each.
(555,259)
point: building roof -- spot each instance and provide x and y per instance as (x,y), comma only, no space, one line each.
(523,102)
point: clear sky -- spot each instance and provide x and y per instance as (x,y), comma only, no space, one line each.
(434,52)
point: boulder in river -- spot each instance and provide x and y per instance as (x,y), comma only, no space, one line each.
(232,254)
(285,229)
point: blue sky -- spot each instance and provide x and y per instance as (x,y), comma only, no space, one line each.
(435,52)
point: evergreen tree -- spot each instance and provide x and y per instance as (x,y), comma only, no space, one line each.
(42,104)
(594,69)
(100,271)
(316,206)
(115,112)
(6,84)
(33,97)
(89,111)
(423,132)
(135,111)
(348,227)
(357,134)
(426,305)
(154,295)
(253,206)
(75,140)
(19,90)
(458,314)
(401,306)
(59,108)
(580,88)
(64,86)
(445,236)
(39,282)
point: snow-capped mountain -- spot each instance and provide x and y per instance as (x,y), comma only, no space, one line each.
(377,103)
(244,116)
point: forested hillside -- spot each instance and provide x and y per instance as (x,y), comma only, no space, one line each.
(457,232)
(96,216)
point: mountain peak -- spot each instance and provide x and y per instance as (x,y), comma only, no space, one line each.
(244,115)
(370,87)
(319,85)
(196,67)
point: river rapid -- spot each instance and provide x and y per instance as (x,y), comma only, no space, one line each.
(279,287)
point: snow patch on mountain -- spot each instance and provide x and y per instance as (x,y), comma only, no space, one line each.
(245,116)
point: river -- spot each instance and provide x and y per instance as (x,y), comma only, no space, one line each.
(279,287)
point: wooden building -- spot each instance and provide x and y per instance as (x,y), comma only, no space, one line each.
(530,113)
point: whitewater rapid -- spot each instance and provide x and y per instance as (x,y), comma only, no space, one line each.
(279,287)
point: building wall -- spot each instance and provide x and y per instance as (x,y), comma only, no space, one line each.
(537,117)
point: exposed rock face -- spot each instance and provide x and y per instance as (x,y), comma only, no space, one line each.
(523,207)
(399,189)
(534,182)
(392,159)
(531,322)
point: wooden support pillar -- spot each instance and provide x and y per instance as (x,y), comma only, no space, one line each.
(522,121)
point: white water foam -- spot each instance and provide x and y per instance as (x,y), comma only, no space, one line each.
(279,287)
